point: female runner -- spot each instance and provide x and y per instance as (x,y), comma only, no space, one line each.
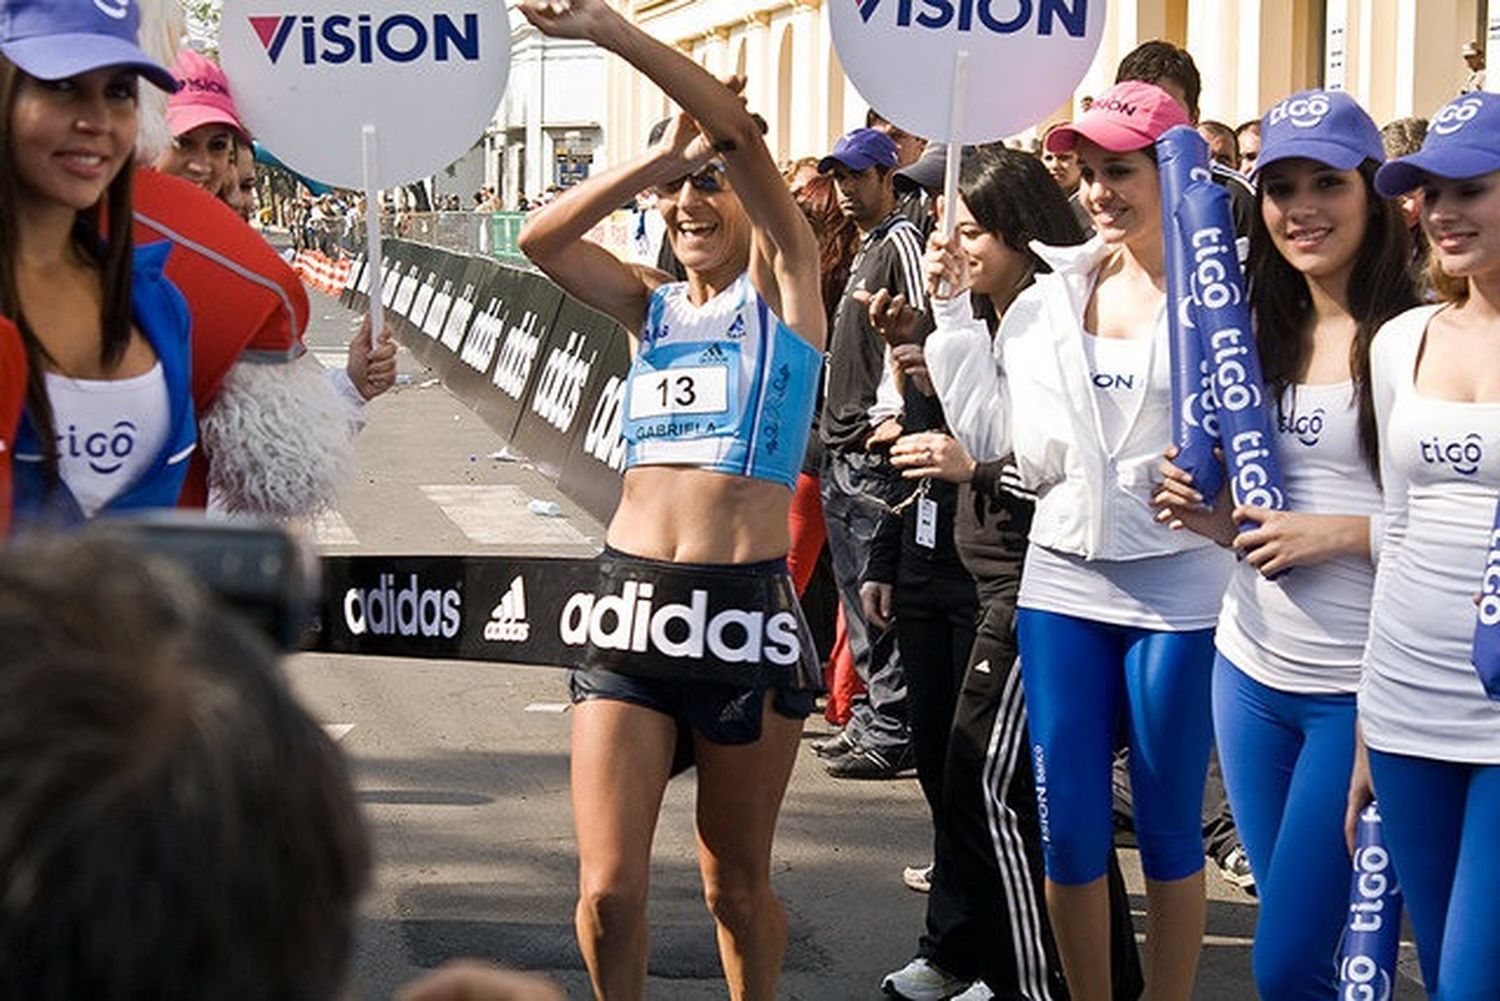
(702,497)
(1290,644)
(1433,735)
(1116,614)
(108,423)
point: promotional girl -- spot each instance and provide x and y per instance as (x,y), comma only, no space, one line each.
(987,883)
(108,423)
(718,410)
(1433,734)
(1116,613)
(1290,644)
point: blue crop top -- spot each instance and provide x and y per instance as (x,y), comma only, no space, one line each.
(724,386)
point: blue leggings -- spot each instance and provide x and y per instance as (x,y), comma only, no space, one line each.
(1286,759)
(1082,678)
(1442,824)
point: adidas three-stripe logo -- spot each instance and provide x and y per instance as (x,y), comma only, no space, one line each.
(508,621)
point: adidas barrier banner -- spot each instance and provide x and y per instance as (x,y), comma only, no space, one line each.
(569,372)
(523,309)
(593,474)
(1372,935)
(1487,631)
(624,615)
(437,264)
(1221,315)
(1182,157)
(544,371)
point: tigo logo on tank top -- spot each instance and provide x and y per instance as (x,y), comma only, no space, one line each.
(105,450)
(1463,455)
(1306,428)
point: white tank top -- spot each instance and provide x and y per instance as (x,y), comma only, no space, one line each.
(109,432)
(1420,694)
(1306,630)
(1117,372)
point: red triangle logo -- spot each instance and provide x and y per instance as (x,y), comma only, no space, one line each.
(266,27)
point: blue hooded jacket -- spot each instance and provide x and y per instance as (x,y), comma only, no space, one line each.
(161,314)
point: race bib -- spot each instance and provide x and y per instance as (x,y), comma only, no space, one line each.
(674,392)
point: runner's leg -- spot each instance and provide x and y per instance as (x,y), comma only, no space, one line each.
(740,788)
(621,759)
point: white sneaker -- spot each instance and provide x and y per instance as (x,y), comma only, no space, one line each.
(918,877)
(920,980)
(978,991)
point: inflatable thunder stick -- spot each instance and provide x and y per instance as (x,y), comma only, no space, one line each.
(1221,316)
(1487,629)
(1182,158)
(1372,935)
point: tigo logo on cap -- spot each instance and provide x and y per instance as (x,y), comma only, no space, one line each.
(1305,111)
(1455,115)
(1463,140)
(57,39)
(1326,126)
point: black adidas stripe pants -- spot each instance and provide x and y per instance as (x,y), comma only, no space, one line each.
(987,913)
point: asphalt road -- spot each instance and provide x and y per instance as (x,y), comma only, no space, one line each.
(462,767)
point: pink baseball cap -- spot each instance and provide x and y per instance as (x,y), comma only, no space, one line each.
(203,97)
(1128,116)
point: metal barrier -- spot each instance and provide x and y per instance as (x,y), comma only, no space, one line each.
(495,234)
(485,234)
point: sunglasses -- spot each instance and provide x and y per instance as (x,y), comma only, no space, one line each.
(708,181)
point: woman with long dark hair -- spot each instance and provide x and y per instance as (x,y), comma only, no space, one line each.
(108,423)
(986,916)
(1328,265)
(718,408)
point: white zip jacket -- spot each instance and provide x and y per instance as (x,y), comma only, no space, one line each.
(1029,394)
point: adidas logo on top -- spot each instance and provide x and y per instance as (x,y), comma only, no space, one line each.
(508,622)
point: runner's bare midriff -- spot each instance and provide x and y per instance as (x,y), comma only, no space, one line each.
(691,515)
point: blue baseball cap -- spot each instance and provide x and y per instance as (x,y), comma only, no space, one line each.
(860,149)
(1463,140)
(56,39)
(1328,126)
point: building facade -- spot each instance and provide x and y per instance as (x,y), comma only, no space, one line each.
(1398,57)
(549,129)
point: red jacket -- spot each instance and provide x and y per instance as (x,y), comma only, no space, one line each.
(12,402)
(246,302)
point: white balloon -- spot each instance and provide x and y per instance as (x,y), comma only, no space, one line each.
(1025,59)
(428,76)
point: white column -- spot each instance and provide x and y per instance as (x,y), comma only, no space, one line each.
(760,73)
(1366,52)
(804,104)
(1214,33)
(1491,43)
(1406,57)
(1335,44)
